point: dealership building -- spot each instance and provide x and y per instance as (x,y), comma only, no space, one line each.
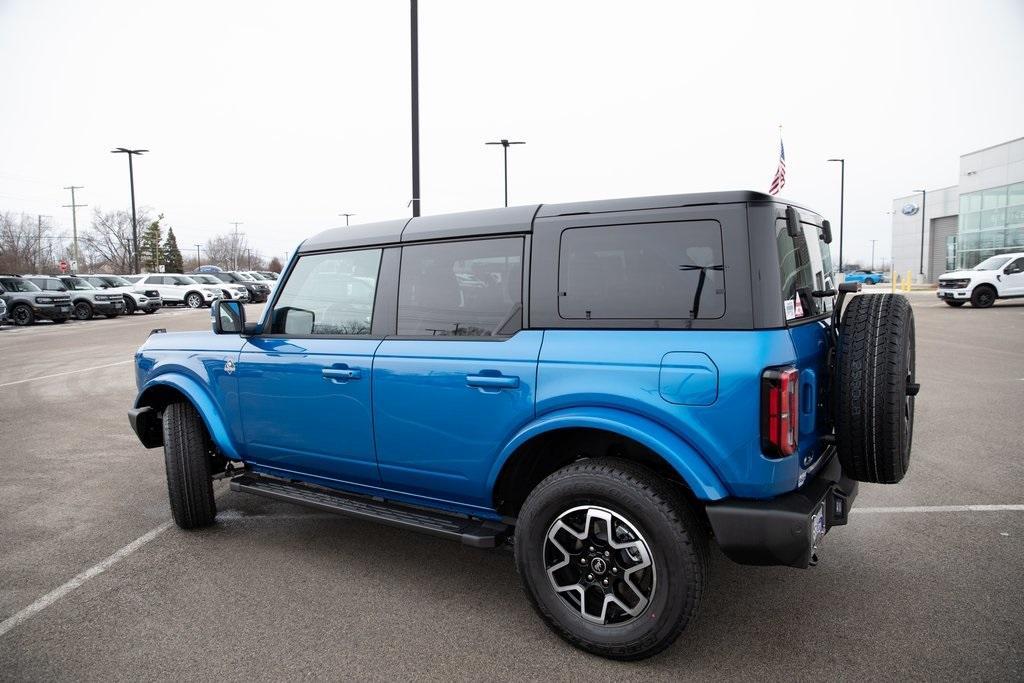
(961,225)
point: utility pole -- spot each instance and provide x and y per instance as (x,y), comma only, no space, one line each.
(135,223)
(414,51)
(924,201)
(505,143)
(199,259)
(74,220)
(249,253)
(346,215)
(235,248)
(873,254)
(842,198)
(39,242)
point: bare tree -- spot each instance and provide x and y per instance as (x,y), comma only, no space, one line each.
(27,244)
(227,251)
(108,243)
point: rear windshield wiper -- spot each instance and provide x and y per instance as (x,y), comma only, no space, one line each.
(695,309)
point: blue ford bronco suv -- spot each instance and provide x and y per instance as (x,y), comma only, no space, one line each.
(606,386)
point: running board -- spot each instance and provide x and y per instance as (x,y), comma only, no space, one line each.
(472,532)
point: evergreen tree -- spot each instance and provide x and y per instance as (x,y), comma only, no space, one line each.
(172,255)
(150,250)
(275,265)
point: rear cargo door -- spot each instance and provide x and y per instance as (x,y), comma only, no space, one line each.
(806,265)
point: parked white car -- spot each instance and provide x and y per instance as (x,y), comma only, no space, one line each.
(136,297)
(175,288)
(997,277)
(228,289)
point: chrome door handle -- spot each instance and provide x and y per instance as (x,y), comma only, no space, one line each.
(341,373)
(492,381)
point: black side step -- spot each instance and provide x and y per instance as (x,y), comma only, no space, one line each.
(472,532)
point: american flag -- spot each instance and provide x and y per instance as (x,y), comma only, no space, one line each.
(779,181)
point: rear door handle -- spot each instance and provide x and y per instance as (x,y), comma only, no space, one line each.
(492,381)
(335,374)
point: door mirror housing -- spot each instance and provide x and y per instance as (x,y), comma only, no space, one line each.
(227,317)
(1012,269)
(826,232)
(793,222)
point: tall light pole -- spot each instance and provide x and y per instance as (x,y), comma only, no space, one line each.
(414,50)
(199,259)
(873,254)
(504,144)
(842,199)
(235,247)
(924,203)
(135,223)
(346,215)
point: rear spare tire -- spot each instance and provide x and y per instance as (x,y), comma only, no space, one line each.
(189,472)
(875,388)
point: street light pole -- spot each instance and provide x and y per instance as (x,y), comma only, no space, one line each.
(346,215)
(135,222)
(873,254)
(842,200)
(415,80)
(504,144)
(199,259)
(924,203)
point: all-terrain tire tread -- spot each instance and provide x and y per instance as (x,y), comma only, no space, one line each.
(189,481)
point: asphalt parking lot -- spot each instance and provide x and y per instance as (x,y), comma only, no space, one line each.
(920,585)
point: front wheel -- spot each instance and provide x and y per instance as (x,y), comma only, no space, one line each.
(129,305)
(83,311)
(194,300)
(23,315)
(188,458)
(611,558)
(983,296)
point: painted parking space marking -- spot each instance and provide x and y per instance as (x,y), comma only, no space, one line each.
(236,515)
(69,372)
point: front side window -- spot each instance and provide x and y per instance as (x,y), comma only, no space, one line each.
(329,294)
(461,289)
(77,284)
(49,284)
(645,271)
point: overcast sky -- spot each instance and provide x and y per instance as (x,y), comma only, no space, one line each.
(283,115)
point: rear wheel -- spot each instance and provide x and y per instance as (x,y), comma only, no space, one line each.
(194,300)
(83,311)
(955,304)
(188,458)
(875,386)
(23,315)
(611,558)
(983,296)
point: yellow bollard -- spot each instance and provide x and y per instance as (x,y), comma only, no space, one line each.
(907,281)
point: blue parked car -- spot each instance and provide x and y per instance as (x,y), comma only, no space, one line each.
(868,277)
(608,386)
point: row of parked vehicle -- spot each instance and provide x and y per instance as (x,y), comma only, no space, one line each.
(24,299)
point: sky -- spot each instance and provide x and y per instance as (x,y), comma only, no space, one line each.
(283,115)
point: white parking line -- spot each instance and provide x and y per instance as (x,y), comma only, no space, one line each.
(941,508)
(62,590)
(69,372)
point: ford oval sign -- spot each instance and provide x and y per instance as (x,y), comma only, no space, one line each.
(909,209)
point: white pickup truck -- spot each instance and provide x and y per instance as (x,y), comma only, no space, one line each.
(997,277)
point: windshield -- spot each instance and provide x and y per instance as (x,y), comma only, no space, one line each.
(182,280)
(77,284)
(115,281)
(205,279)
(245,277)
(18,285)
(993,263)
(227,277)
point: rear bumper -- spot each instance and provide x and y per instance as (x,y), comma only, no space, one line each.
(784,530)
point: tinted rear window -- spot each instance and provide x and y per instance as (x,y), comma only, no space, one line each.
(642,271)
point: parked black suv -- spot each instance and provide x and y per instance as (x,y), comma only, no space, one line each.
(258,291)
(26,302)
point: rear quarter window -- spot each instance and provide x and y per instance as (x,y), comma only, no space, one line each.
(671,270)
(804,268)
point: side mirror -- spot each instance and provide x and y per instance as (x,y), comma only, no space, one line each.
(793,222)
(227,317)
(1012,269)
(826,232)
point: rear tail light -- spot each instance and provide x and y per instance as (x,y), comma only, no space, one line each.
(779,411)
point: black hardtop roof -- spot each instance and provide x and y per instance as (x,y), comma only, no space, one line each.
(512,219)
